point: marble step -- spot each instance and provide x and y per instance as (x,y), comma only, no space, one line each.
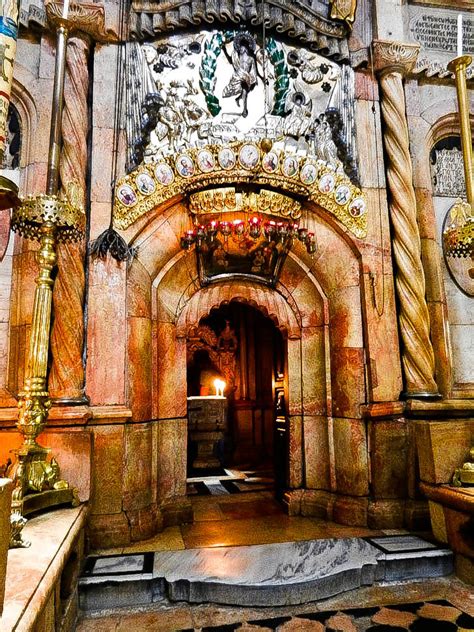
(287,573)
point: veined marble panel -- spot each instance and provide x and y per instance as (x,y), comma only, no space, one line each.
(269,574)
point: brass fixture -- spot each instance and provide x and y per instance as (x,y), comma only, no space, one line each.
(49,219)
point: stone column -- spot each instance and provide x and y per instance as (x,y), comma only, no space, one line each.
(66,379)
(392,60)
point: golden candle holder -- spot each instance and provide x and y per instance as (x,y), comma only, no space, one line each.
(458,238)
(48,219)
(37,484)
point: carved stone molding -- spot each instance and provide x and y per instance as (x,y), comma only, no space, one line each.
(391,56)
(83,18)
(297,20)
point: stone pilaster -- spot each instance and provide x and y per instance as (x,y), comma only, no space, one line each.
(392,60)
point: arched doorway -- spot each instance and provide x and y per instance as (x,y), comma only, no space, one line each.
(237,343)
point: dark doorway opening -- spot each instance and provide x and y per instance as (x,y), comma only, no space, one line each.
(238,344)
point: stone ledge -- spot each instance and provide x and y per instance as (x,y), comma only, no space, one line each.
(459,498)
(32,573)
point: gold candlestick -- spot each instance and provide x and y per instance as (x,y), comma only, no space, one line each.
(49,219)
(458,238)
(458,66)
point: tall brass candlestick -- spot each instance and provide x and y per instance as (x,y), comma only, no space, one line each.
(48,219)
(459,236)
(459,66)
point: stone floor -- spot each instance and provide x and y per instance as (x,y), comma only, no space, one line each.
(242,519)
(423,603)
(257,518)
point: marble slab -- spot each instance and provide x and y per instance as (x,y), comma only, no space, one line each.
(269,574)
(119,564)
(411,557)
(401,543)
(287,573)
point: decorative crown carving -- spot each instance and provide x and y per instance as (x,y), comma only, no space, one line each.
(394,56)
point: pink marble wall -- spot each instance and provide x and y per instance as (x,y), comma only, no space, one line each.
(106,333)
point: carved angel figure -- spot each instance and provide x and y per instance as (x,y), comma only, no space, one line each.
(245,75)
(324,145)
(299,115)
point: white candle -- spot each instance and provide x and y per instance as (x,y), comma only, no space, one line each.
(459,35)
(65,9)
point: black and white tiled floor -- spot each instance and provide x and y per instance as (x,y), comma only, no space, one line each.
(230,481)
(432,616)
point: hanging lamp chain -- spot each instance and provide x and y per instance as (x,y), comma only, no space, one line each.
(110,242)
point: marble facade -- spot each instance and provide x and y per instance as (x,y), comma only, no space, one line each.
(357,448)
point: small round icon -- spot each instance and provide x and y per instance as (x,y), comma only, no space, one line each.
(326,183)
(205,161)
(127,195)
(145,184)
(164,174)
(249,156)
(185,166)
(357,207)
(226,158)
(308,173)
(290,166)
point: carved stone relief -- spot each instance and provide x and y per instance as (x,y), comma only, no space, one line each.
(216,87)
(320,24)
(448,173)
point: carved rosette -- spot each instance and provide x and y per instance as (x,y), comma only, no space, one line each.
(393,60)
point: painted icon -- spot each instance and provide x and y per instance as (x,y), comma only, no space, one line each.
(205,161)
(342,195)
(184,166)
(357,207)
(145,184)
(127,195)
(290,166)
(249,156)
(308,173)
(226,158)
(164,174)
(326,184)
(270,162)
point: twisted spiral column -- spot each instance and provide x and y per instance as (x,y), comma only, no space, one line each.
(392,61)
(66,379)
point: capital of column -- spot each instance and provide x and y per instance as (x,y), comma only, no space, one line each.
(88,19)
(389,56)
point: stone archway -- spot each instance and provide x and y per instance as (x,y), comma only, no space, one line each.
(322,299)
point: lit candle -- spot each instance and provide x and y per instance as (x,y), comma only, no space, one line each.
(65,9)
(460,35)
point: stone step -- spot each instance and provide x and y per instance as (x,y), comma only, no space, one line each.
(287,573)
